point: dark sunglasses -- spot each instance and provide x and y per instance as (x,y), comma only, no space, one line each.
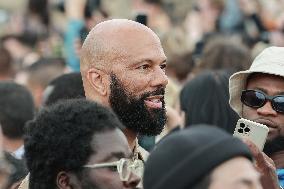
(257,99)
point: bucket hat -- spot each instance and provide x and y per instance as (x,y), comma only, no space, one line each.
(269,61)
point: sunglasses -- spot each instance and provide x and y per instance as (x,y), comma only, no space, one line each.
(257,99)
(124,167)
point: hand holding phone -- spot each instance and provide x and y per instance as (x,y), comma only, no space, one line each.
(255,132)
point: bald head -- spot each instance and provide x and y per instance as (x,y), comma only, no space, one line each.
(114,45)
(109,41)
(119,47)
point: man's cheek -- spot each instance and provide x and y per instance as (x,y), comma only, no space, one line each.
(244,113)
(248,113)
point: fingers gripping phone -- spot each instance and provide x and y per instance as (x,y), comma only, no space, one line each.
(255,132)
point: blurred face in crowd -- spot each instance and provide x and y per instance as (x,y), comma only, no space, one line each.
(110,146)
(270,85)
(236,173)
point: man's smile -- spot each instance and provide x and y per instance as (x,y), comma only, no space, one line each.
(154,102)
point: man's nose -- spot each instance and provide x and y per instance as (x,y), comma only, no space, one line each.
(266,110)
(133,182)
(159,78)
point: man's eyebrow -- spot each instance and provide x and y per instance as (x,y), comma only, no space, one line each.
(148,61)
(261,89)
(265,91)
(164,61)
(112,155)
(245,181)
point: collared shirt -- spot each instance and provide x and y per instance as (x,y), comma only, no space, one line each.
(19,153)
(142,155)
(25,183)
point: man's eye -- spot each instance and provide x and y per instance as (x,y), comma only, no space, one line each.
(144,67)
(163,66)
(113,168)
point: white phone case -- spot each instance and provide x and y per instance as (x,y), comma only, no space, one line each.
(255,132)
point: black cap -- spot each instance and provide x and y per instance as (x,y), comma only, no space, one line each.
(182,159)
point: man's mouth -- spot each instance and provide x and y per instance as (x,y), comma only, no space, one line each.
(154,102)
(273,128)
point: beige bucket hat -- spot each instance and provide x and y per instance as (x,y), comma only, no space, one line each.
(269,61)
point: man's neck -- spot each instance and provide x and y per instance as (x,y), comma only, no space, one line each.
(131,138)
(278,158)
(11,145)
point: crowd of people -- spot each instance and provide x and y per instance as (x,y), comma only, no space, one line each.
(128,94)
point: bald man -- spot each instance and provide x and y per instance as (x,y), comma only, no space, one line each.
(123,67)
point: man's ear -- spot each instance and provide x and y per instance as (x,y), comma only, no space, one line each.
(67,180)
(63,180)
(97,80)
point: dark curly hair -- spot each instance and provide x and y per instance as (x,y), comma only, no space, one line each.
(59,138)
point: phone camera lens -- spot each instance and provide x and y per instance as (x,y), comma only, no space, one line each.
(240,130)
(247,130)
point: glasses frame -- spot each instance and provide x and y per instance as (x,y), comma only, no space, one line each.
(266,98)
(119,166)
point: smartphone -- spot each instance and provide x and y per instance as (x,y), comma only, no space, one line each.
(255,132)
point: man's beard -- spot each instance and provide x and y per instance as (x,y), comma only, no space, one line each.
(274,145)
(133,112)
